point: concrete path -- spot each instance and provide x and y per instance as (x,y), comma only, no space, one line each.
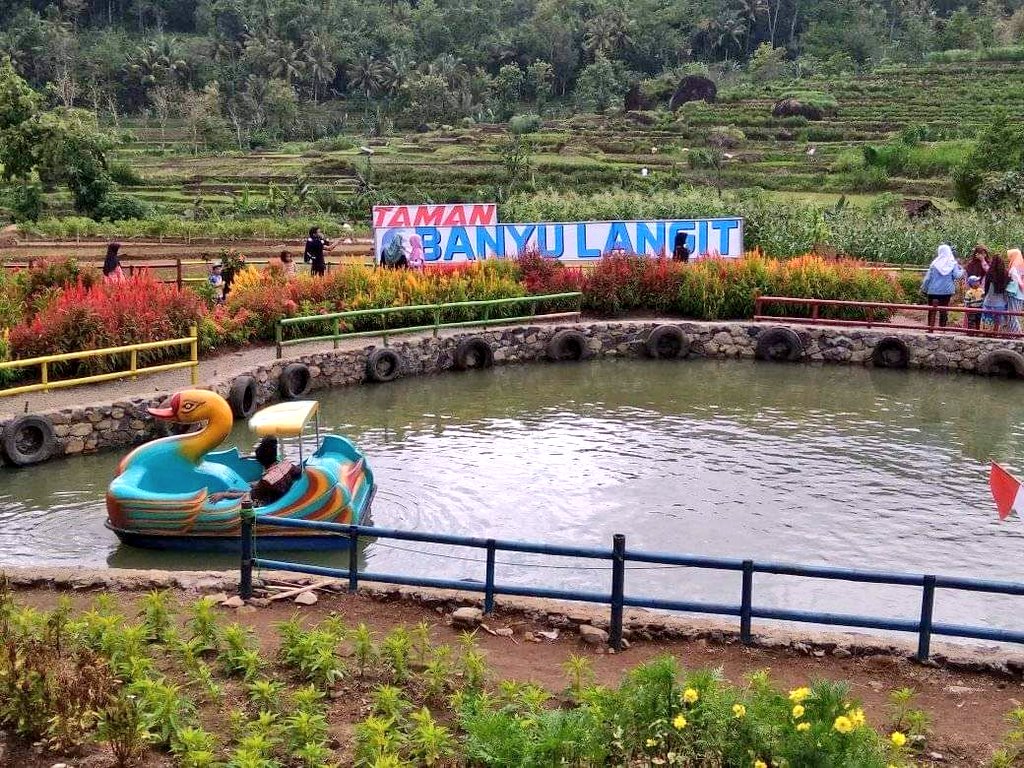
(210,369)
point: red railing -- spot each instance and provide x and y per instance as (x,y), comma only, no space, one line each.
(885,312)
(185,270)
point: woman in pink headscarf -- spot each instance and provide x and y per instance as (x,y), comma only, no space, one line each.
(416,260)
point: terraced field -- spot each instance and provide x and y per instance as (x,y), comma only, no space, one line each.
(817,158)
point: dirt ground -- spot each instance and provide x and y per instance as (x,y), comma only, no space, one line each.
(968,709)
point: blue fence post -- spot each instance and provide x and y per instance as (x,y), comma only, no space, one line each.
(746,601)
(924,631)
(489,578)
(248,519)
(618,590)
(353,564)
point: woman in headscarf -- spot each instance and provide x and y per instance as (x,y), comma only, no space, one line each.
(1015,289)
(112,272)
(940,283)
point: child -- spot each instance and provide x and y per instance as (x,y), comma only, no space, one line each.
(218,283)
(974,297)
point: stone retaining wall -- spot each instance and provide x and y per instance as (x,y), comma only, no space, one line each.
(125,423)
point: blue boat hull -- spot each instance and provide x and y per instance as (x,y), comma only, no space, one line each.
(232,544)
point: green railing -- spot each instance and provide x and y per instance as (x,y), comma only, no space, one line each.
(337,319)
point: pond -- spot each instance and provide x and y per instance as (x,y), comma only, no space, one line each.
(820,465)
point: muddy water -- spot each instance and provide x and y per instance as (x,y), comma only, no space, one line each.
(841,466)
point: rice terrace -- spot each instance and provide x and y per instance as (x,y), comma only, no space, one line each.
(511,384)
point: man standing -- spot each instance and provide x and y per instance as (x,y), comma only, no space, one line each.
(316,244)
(680,251)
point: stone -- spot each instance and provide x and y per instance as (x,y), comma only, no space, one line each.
(306,598)
(245,610)
(961,690)
(592,635)
(74,446)
(842,653)
(219,598)
(81,430)
(233,602)
(260,602)
(467,617)
(504,632)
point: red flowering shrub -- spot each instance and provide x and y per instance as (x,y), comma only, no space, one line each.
(109,315)
(543,275)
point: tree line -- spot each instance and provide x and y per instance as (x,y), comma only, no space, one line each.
(246,73)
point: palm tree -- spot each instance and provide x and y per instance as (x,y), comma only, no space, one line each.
(449,68)
(748,12)
(366,75)
(730,32)
(285,63)
(607,33)
(318,64)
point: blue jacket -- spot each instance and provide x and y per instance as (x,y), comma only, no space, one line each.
(936,284)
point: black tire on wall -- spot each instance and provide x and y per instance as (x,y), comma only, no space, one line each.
(1002,362)
(891,352)
(294,381)
(667,342)
(780,345)
(383,365)
(28,440)
(473,352)
(567,346)
(242,397)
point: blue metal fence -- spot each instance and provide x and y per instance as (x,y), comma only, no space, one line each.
(619,556)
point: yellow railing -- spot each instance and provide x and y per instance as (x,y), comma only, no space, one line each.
(132,350)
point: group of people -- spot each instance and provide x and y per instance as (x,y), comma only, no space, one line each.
(394,256)
(994,283)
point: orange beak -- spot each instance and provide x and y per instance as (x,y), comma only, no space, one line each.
(169,411)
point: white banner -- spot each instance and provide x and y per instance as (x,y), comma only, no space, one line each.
(568,242)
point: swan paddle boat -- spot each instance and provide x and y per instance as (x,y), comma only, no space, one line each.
(179,493)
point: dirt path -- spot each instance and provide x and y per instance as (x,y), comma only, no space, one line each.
(968,709)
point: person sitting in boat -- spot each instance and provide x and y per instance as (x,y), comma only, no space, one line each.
(277,479)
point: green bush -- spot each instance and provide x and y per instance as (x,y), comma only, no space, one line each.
(124,173)
(523,124)
(119,207)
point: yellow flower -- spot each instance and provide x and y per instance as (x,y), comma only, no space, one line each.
(857,717)
(843,724)
(803,727)
(651,742)
(738,710)
(798,711)
(690,695)
(679,723)
(898,739)
(760,764)
(799,694)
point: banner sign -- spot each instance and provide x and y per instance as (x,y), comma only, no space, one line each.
(568,242)
(460,215)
